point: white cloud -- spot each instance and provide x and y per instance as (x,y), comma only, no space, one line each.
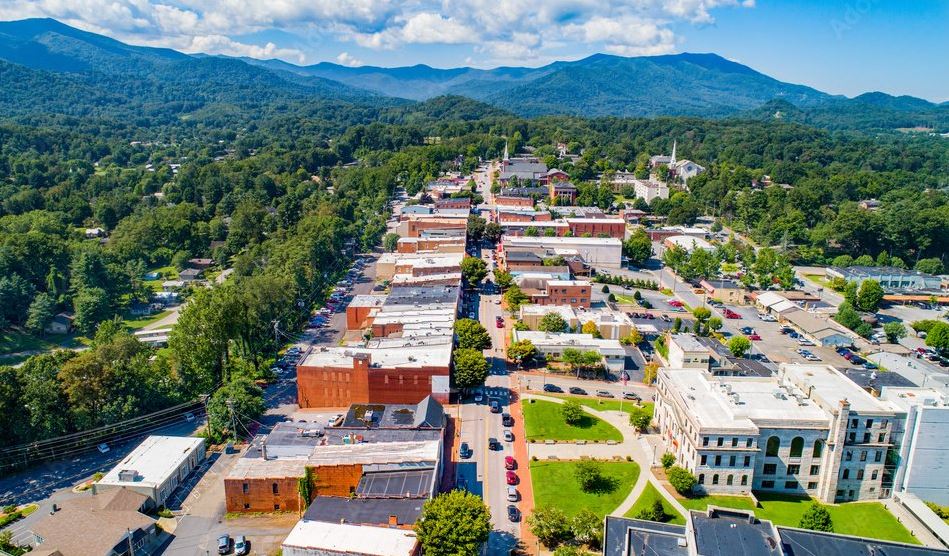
(346,59)
(508,31)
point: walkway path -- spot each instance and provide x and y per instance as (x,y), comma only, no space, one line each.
(634,445)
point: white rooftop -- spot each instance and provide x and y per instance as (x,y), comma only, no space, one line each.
(407,357)
(562,283)
(567,340)
(830,387)
(564,241)
(688,342)
(339,538)
(689,242)
(583,220)
(908,397)
(154,460)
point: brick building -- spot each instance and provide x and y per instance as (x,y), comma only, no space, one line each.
(513,201)
(575,293)
(597,227)
(415,225)
(430,245)
(453,203)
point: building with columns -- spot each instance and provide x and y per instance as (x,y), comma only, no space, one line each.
(808,430)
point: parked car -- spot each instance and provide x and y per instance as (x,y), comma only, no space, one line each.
(674,303)
(604,394)
(509,462)
(499,322)
(631,396)
(747,330)
(755,337)
(729,314)
(511,478)
(241,546)
(495,406)
(512,495)
(513,514)
(478,397)
(224,544)
(103,448)
(666,318)
(552,388)
(578,391)
(508,435)
(493,444)
(464,451)
(507,420)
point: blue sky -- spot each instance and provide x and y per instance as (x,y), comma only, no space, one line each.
(843,47)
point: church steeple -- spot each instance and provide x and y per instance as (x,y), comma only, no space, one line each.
(672,159)
(507,156)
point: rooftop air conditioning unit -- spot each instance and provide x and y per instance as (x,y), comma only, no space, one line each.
(128,475)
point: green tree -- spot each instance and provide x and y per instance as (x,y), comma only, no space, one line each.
(455,523)
(92,306)
(842,261)
(590,327)
(493,232)
(681,479)
(869,296)
(817,518)
(587,528)
(938,336)
(471,368)
(550,525)
(474,270)
(589,474)
(847,316)
(233,408)
(472,335)
(552,322)
(306,485)
(503,278)
(703,264)
(640,418)
(930,266)
(650,372)
(739,346)
(701,314)
(850,293)
(521,350)
(570,550)
(638,248)
(668,460)
(571,412)
(390,242)
(715,323)
(655,512)
(894,331)
(514,297)
(41,312)
(476,227)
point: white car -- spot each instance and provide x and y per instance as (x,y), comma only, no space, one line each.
(103,448)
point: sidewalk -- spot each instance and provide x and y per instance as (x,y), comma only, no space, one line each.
(526,486)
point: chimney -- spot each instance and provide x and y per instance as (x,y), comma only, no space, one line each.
(263,449)
(393,521)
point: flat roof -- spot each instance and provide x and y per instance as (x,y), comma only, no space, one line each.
(728,533)
(422,295)
(745,403)
(416,483)
(364,453)
(353,539)
(154,460)
(689,242)
(582,220)
(565,339)
(405,356)
(364,511)
(541,241)
(367,300)
(688,342)
(874,271)
(568,283)
(831,387)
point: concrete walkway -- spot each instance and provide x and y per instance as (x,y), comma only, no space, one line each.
(634,445)
(911,522)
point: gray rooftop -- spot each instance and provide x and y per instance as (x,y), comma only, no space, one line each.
(362,511)
(415,483)
(633,537)
(427,414)
(728,533)
(798,542)
(422,295)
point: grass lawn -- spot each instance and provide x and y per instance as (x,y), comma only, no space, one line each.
(543,421)
(818,279)
(607,404)
(555,485)
(863,519)
(14,341)
(624,299)
(136,322)
(167,273)
(648,498)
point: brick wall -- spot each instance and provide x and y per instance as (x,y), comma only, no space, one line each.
(616,230)
(338,387)
(508,201)
(257,495)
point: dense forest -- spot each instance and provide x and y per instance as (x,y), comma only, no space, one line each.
(284,190)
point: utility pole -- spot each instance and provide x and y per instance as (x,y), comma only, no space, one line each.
(230,406)
(131,548)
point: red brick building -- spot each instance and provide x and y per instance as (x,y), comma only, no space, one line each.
(453,203)
(597,227)
(576,293)
(415,224)
(511,201)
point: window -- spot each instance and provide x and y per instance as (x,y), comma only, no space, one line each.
(869,424)
(850,494)
(811,486)
(701,478)
(790,485)
(246,488)
(848,455)
(703,460)
(852,437)
(276,507)
(721,441)
(885,423)
(854,423)
(878,457)
(866,438)
(274,488)
(729,480)
(859,474)
(774,444)
(818,448)
(749,442)
(881,438)
(731,461)
(747,461)
(734,442)
(718,460)
(815,470)
(863,455)
(873,476)
(794,469)
(744,480)
(715,479)
(767,484)
(846,474)
(770,469)
(704,441)
(797,447)
(246,506)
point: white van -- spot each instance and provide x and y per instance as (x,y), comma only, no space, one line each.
(511,494)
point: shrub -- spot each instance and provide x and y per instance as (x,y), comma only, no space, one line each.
(653,513)
(668,460)
(571,412)
(681,479)
(817,518)
(589,474)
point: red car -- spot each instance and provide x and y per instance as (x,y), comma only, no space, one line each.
(499,322)
(511,478)
(755,337)
(509,462)
(729,314)
(675,303)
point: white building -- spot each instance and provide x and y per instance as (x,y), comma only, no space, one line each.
(686,352)
(553,344)
(808,430)
(156,467)
(317,538)
(688,243)
(603,252)
(924,456)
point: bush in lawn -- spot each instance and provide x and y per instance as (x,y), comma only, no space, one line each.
(668,460)
(571,412)
(817,518)
(655,512)
(589,474)
(640,419)
(681,479)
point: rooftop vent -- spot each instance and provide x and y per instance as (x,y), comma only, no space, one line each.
(128,475)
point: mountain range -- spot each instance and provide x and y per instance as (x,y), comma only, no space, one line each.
(36,54)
